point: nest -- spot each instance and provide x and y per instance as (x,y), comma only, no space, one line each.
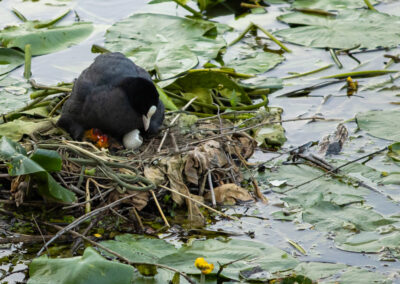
(191,162)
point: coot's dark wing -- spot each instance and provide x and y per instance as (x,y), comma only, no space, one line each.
(110,68)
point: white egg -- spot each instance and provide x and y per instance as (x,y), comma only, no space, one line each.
(132,140)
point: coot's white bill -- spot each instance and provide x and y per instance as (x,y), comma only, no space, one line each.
(147,118)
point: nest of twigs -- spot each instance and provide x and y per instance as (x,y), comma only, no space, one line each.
(191,163)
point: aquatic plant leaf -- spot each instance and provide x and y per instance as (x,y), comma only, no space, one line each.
(266,257)
(146,44)
(261,82)
(358,275)
(36,166)
(318,270)
(168,103)
(369,242)
(49,160)
(254,62)
(202,82)
(10,59)
(44,40)
(14,94)
(330,4)
(89,268)
(394,152)
(350,28)
(139,248)
(270,134)
(17,128)
(380,123)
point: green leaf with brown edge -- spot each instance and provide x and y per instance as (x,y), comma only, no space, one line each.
(350,28)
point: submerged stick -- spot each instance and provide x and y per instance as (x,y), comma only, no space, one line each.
(308,73)
(337,168)
(229,71)
(191,10)
(52,22)
(44,87)
(28,61)
(274,39)
(369,5)
(335,58)
(19,15)
(242,34)
(371,73)
(159,209)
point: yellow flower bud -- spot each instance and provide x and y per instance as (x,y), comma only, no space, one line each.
(203,265)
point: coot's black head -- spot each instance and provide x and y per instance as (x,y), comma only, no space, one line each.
(143,97)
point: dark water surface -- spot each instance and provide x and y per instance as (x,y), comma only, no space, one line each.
(329,101)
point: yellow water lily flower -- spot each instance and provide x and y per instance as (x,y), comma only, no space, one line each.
(352,86)
(203,265)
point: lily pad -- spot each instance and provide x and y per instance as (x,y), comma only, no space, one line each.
(252,62)
(10,59)
(14,94)
(154,34)
(381,124)
(44,40)
(369,242)
(330,4)
(158,251)
(365,28)
(89,268)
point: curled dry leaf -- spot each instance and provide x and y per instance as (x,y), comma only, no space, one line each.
(155,175)
(230,193)
(207,156)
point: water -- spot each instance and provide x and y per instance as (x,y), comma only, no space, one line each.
(330,101)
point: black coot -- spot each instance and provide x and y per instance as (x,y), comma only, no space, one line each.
(113,95)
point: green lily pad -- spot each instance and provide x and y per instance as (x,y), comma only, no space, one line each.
(330,4)
(89,268)
(252,62)
(365,28)
(44,40)
(10,59)
(158,251)
(147,44)
(14,94)
(37,166)
(381,124)
(318,270)
(369,242)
